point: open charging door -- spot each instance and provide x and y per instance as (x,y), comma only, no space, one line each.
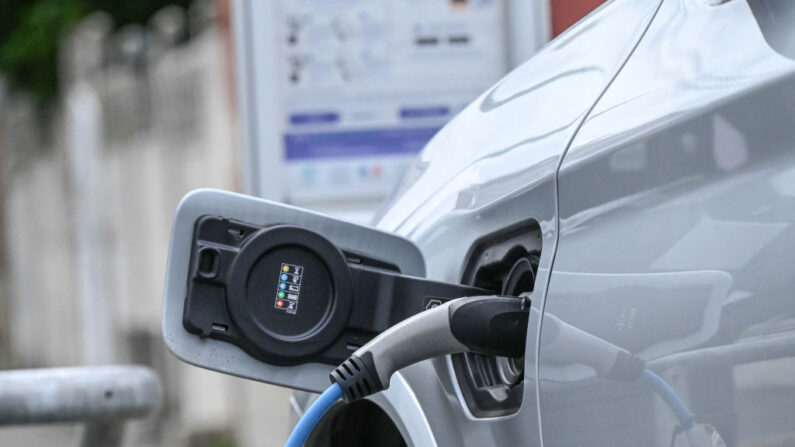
(278,294)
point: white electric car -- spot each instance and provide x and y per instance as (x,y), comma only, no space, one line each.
(635,182)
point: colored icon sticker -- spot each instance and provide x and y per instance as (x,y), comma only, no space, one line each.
(289,288)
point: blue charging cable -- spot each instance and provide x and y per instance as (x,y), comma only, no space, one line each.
(671,399)
(370,367)
(334,393)
(313,415)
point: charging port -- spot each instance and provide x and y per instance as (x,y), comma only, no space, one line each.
(504,262)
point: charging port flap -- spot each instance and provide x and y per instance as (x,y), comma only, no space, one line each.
(233,293)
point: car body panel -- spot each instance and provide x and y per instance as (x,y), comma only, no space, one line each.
(491,167)
(676,204)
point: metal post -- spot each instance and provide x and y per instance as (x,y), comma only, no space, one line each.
(103,397)
(102,434)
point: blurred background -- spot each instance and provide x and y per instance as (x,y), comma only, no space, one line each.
(111,111)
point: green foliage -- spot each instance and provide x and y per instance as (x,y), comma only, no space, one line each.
(30,32)
(224,443)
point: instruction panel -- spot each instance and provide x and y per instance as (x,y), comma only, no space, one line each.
(366,83)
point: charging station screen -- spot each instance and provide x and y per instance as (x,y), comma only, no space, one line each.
(367,83)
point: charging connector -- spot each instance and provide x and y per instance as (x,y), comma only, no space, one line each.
(490,325)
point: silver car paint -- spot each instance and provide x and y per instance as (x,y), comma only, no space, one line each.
(677,199)
(494,165)
(680,182)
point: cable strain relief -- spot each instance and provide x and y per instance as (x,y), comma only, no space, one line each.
(627,368)
(357,377)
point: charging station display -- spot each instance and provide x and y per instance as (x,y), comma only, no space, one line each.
(367,83)
(358,87)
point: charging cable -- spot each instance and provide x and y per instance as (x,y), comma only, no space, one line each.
(565,344)
(489,325)
(669,396)
(313,415)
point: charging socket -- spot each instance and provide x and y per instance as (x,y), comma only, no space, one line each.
(504,262)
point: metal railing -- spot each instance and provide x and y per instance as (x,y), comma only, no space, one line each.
(101,397)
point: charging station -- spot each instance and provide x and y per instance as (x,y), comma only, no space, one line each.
(338,97)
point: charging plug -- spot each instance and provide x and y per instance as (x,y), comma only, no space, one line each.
(489,325)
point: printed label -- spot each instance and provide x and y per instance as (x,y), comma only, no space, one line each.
(288,289)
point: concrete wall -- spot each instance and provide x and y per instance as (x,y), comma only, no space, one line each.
(105,183)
